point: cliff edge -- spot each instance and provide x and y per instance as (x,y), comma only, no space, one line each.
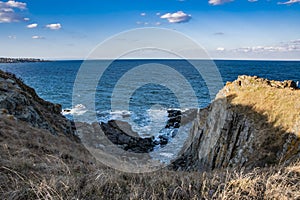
(253,122)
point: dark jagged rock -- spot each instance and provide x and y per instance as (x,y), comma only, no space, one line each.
(174,119)
(163,139)
(34,136)
(22,102)
(121,134)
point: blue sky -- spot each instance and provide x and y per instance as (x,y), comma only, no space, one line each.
(227,29)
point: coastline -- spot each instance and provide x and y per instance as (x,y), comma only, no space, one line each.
(21,60)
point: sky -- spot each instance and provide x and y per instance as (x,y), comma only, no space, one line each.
(226,29)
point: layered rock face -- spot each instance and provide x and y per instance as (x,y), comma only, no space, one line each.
(21,102)
(253,122)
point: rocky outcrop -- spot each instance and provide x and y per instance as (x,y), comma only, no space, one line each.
(253,122)
(21,102)
(121,134)
(34,136)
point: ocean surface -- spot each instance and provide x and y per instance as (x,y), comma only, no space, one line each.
(54,81)
(140,97)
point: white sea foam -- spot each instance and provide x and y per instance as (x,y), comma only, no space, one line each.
(120,114)
(168,155)
(79,109)
(146,123)
(153,123)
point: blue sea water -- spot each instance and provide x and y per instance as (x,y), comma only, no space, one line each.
(54,82)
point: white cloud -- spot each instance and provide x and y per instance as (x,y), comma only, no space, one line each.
(290,46)
(158,14)
(26,19)
(34,25)
(54,26)
(12,37)
(143,14)
(252,1)
(8,17)
(219,2)
(289,2)
(220,49)
(16,4)
(37,37)
(8,11)
(177,17)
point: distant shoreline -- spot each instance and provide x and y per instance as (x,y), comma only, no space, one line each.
(29,60)
(170,59)
(21,60)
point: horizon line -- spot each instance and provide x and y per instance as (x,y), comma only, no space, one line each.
(212,59)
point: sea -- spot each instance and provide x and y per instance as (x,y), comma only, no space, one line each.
(139,91)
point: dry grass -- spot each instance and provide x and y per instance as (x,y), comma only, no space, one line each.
(100,183)
(281,106)
(31,172)
(32,168)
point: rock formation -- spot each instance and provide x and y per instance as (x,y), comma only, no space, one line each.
(253,122)
(35,137)
(21,102)
(121,134)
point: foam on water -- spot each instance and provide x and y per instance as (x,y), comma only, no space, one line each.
(148,123)
(79,109)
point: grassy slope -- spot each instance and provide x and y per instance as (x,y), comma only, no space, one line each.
(280,105)
(41,166)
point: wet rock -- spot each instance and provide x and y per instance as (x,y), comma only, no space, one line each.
(121,134)
(163,139)
(174,119)
(174,113)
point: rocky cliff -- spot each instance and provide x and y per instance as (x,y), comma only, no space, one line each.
(35,139)
(253,122)
(20,102)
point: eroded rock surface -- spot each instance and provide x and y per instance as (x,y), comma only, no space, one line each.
(253,122)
